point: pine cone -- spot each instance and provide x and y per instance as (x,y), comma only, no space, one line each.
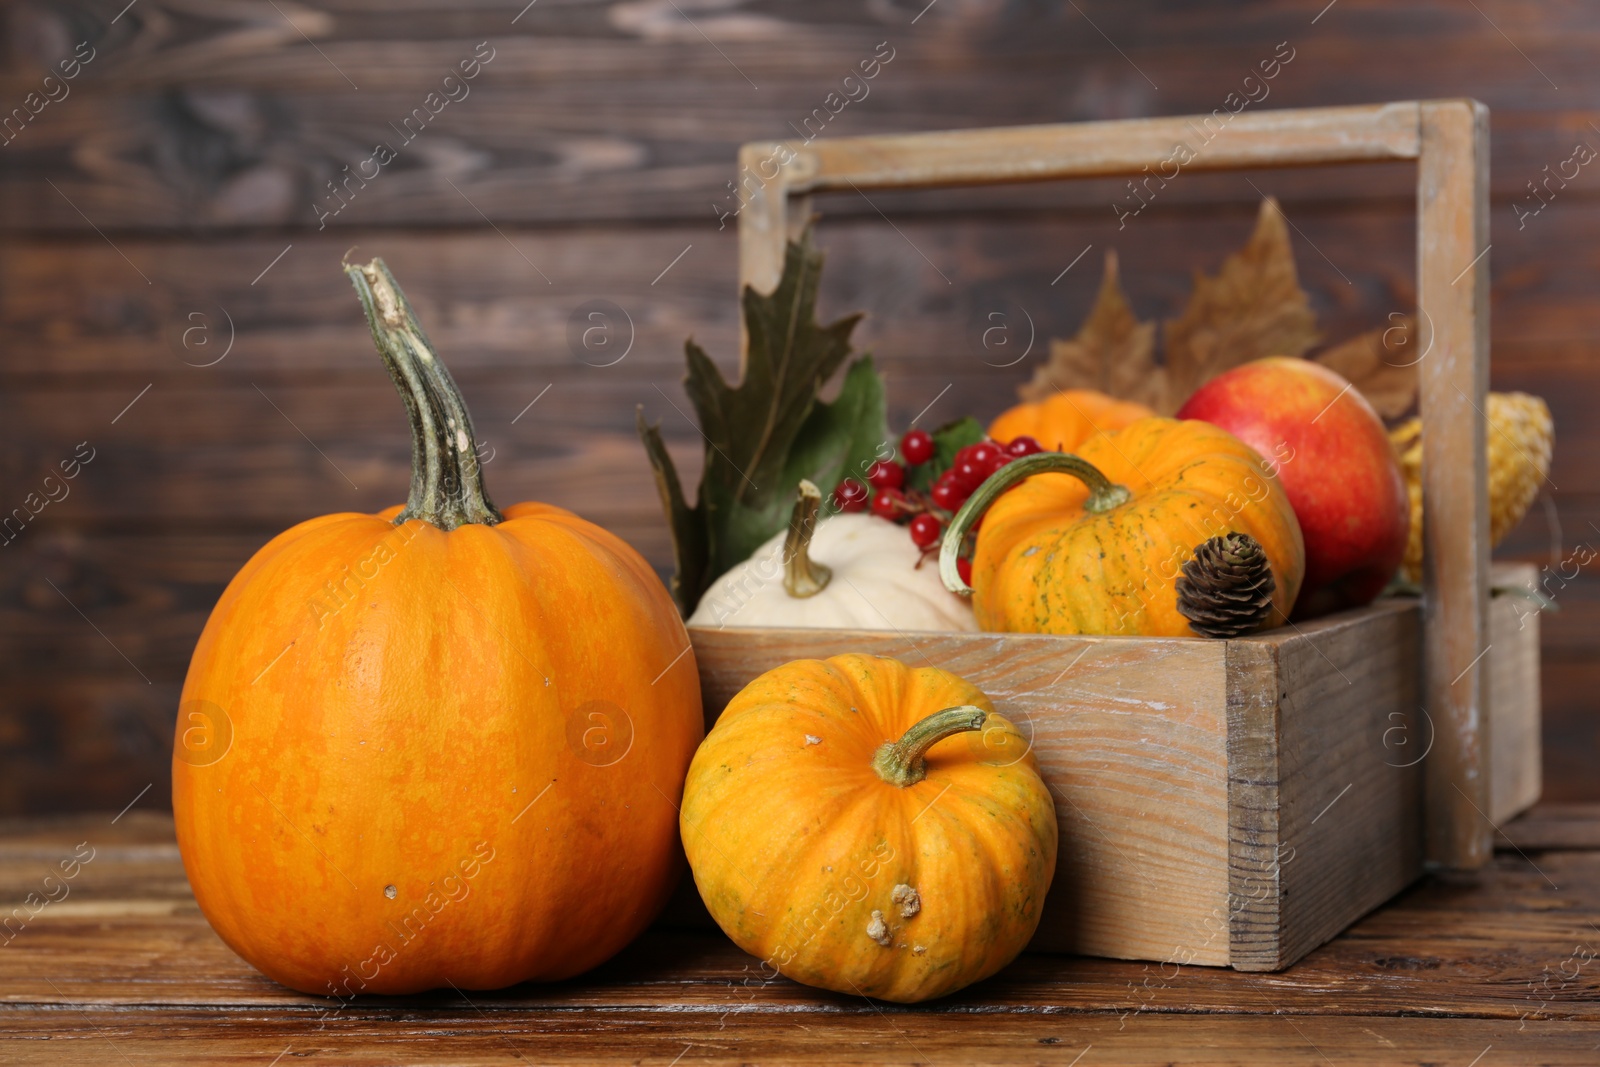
(1519,445)
(1226,589)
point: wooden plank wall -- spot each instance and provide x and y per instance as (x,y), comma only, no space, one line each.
(173,198)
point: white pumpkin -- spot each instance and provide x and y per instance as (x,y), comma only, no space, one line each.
(848,572)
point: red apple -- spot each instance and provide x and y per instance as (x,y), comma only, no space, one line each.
(1333,459)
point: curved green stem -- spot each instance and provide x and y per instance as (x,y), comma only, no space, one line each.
(1104,494)
(901,762)
(446,478)
(802,575)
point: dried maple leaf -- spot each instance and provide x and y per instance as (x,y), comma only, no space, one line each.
(1114,352)
(1381,364)
(1253,307)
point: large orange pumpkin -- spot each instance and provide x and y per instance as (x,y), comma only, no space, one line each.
(1063,421)
(1094,543)
(437,745)
(870,828)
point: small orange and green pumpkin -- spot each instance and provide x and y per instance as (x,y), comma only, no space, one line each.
(870,828)
(1095,543)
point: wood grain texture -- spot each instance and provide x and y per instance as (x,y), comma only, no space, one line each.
(460,1036)
(1297,137)
(1571,728)
(1453,298)
(1514,708)
(124,965)
(604,111)
(1553,826)
(1331,827)
(1408,957)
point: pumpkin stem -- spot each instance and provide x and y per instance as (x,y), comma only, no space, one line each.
(901,762)
(802,575)
(446,478)
(1104,494)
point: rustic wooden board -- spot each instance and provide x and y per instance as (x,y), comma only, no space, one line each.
(595,112)
(1325,811)
(1552,826)
(1514,712)
(1410,954)
(1453,239)
(464,1037)
(1454,966)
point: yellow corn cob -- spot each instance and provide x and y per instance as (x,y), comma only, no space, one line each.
(1520,438)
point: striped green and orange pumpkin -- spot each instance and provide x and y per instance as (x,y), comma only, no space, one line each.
(1093,543)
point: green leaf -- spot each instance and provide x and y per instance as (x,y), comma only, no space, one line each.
(948,439)
(837,440)
(768,431)
(842,439)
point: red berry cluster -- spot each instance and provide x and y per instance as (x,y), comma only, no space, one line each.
(927,513)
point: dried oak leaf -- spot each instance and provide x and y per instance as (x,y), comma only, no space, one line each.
(1253,308)
(1381,364)
(1114,352)
(765,433)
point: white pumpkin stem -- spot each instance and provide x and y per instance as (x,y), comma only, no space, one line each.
(802,575)
(446,477)
(1104,494)
(901,762)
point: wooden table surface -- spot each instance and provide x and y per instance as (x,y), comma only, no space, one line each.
(1492,968)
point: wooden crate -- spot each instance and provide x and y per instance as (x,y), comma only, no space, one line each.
(1238,802)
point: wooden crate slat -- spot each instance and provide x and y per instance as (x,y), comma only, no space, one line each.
(1514,712)
(1453,302)
(1222,140)
(1337,830)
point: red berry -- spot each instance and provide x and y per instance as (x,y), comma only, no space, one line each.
(1023,446)
(946,494)
(916,447)
(1000,460)
(850,495)
(925,530)
(888,503)
(964,568)
(886,474)
(984,453)
(969,474)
